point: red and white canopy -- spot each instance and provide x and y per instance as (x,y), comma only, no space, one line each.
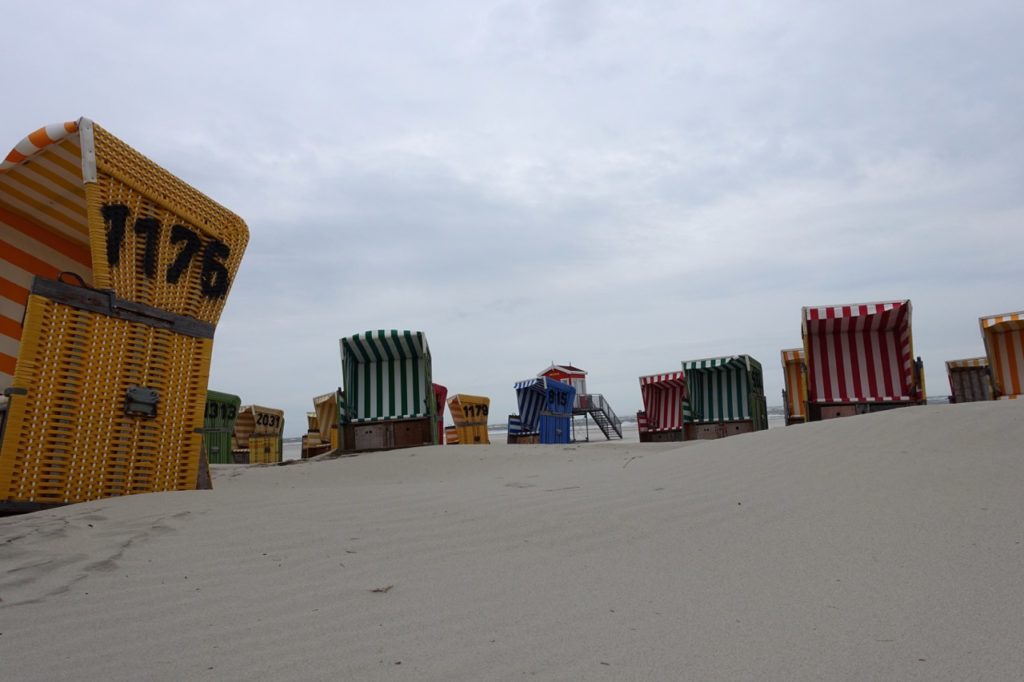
(859,353)
(663,396)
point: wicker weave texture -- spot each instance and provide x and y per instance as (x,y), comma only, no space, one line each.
(256,420)
(28,247)
(219,424)
(141,273)
(469,412)
(68,437)
(265,449)
(327,415)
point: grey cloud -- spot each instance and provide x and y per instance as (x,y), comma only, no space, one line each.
(623,186)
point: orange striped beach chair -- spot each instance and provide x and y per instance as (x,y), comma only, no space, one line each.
(1004,347)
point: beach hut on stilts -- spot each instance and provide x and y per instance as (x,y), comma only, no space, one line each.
(389,399)
(970,380)
(1004,349)
(469,412)
(545,412)
(113,276)
(725,397)
(589,406)
(794,395)
(860,359)
(661,420)
(568,374)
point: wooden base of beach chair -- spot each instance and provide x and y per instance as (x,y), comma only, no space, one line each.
(661,436)
(388,434)
(8,508)
(715,430)
(524,439)
(833,411)
(311,451)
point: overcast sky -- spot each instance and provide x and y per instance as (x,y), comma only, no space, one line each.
(619,185)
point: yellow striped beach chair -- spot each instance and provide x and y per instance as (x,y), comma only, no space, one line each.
(113,276)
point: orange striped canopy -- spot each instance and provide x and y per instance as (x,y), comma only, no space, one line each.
(796,382)
(1004,345)
(43,225)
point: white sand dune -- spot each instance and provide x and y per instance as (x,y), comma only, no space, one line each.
(884,547)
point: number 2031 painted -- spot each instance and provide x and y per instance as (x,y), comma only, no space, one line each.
(214,279)
(270,420)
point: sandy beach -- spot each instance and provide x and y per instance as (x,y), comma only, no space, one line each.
(886,547)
